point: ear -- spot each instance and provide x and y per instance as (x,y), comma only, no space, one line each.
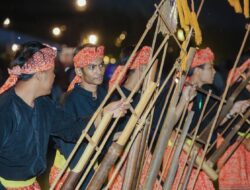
(39,76)
(197,70)
(79,72)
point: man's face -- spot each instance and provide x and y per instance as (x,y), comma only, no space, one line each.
(94,72)
(207,73)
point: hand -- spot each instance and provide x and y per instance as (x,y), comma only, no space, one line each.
(117,108)
(239,107)
(189,92)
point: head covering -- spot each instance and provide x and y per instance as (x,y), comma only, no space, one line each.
(42,60)
(202,56)
(237,72)
(141,58)
(83,58)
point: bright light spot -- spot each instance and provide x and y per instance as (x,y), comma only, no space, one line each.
(122,36)
(113,60)
(81,3)
(19,38)
(106,59)
(180,35)
(6,22)
(176,80)
(56,31)
(15,47)
(92,39)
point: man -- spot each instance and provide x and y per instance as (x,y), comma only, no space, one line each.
(84,96)
(28,117)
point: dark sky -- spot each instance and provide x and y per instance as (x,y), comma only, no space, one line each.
(223,30)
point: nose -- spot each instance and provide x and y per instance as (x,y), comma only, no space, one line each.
(98,70)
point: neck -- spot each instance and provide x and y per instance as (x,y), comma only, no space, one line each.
(26,92)
(89,87)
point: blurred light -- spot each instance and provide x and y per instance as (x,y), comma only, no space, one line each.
(118,42)
(15,47)
(176,80)
(180,35)
(113,60)
(56,31)
(123,35)
(106,59)
(92,39)
(19,38)
(80,5)
(6,22)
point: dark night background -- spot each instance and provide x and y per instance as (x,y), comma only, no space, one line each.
(222,28)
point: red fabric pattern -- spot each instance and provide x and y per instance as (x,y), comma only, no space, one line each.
(202,56)
(34,186)
(235,174)
(54,172)
(41,61)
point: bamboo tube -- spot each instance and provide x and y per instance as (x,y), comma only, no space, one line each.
(168,125)
(74,175)
(175,141)
(175,161)
(115,150)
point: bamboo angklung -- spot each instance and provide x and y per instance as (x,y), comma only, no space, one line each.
(220,106)
(116,148)
(165,133)
(140,126)
(135,151)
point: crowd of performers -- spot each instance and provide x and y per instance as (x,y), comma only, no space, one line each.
(29,117)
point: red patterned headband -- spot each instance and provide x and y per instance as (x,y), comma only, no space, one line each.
(41,61)
(83,58)
(87,55)
(141,58)
(202,56)
(237,72)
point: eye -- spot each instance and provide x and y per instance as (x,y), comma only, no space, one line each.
(91,67)
(101,65)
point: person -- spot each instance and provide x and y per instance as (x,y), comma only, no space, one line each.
(201,72)
(85,94)
(28,117)
(235,173)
